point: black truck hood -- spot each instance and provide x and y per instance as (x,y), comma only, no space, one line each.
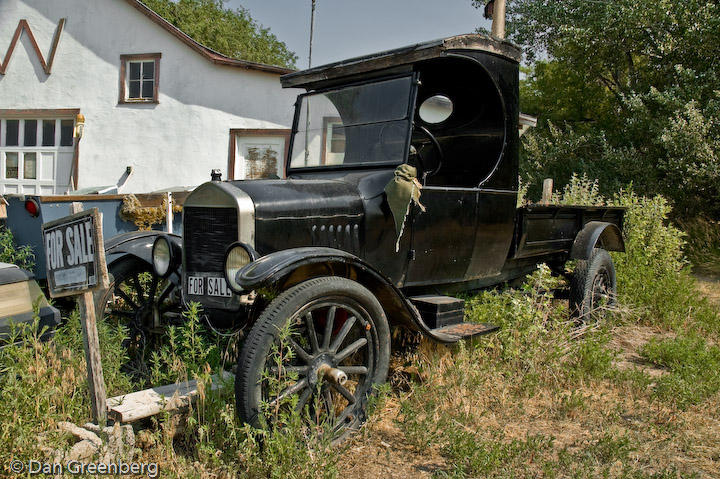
(306,199)
(305,212)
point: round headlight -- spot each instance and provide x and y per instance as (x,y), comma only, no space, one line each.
(162,256)
(238,255)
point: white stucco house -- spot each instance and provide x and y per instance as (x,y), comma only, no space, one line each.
(160,110)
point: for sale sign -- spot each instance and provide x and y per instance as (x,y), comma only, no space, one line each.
(75,254)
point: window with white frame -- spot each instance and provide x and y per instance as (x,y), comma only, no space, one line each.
(35,155)
(139,77)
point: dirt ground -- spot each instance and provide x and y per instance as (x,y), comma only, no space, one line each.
(381,450)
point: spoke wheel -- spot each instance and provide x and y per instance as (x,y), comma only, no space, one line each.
(141,302)
(593,286)
(318,349)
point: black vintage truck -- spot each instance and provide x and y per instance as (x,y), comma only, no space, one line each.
(401,190)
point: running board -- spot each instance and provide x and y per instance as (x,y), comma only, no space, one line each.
(456,332)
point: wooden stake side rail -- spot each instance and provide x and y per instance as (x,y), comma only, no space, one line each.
(149,402)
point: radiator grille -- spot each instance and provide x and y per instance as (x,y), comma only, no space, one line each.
(207,234)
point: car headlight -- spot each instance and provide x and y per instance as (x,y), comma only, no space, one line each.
(238,255)
(162,256)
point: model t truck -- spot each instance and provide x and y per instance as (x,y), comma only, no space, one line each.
(343,248)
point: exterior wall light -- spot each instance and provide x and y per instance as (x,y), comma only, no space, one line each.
(79,126)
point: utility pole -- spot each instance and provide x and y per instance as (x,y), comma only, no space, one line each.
(307,104)
(312,31)
(498,19)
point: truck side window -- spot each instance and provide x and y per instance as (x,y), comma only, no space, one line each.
(475,124)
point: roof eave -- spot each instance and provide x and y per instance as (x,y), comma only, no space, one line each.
(212,55)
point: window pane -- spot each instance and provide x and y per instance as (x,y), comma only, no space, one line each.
(47,162)
(134,71)
(30,166)
(337,139)
(66,133)
(148,70)
(30,133)
(11,133)
(11,165)
(134,89)
(147,89)
(48,137)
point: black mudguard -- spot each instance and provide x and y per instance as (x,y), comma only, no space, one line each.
(136,243)
(597,234)
(285,268)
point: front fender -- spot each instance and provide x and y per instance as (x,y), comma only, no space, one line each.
(607,235)
(285,268)
(271,268)
(136,243)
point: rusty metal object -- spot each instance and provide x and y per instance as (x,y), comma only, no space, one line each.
(332,374)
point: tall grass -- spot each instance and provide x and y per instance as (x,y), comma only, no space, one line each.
(42,383)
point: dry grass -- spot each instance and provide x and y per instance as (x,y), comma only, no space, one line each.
(661,438)
(709,286)
(610,425)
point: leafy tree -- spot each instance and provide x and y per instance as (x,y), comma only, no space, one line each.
(231,32)
(627,91)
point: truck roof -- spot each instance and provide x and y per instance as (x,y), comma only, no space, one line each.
(401,56)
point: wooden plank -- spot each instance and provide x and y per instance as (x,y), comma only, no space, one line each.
(146,199)
(91,341)
(149,402)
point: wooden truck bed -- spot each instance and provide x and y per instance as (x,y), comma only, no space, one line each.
(547,229)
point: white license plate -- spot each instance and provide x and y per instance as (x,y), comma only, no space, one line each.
(196,285)
(218,287)
(200,286)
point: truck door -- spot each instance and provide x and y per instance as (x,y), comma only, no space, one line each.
(442,237)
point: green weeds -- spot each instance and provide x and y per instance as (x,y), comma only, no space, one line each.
(22,256)
(693,367)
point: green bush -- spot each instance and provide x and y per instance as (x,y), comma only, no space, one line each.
(187,350)
(22,256)
(653,274)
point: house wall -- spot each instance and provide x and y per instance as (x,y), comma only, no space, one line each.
(174,142)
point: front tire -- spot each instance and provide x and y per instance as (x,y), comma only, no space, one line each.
(593,286)
(301,342)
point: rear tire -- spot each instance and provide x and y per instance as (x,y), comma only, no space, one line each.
(315,318)
(593,286)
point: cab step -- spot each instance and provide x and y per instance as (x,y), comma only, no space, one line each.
(439,311)
(456,332)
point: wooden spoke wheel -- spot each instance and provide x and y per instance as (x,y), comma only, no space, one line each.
(143,303)
(318,349)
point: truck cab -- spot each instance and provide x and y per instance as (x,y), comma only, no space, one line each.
(327,252)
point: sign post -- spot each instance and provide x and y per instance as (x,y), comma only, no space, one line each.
(75,257)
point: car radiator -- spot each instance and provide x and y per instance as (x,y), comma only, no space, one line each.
(207,233)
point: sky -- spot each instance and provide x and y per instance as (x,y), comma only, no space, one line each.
(348,28)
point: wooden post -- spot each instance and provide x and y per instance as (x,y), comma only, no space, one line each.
(547,191)
(169,213)
(91,342)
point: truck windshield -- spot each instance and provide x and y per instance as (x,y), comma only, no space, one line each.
(353,126)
